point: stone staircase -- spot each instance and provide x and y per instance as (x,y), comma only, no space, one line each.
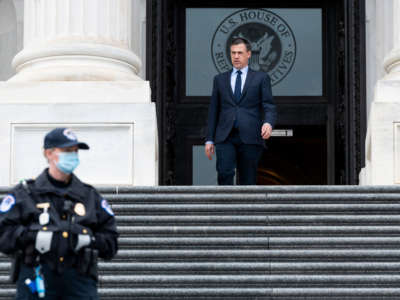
(328,242)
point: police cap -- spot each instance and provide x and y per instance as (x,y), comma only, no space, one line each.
(62,138)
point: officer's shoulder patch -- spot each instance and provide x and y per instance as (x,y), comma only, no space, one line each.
(106,207)
(7,203)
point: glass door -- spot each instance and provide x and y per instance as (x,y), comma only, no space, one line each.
(291,45)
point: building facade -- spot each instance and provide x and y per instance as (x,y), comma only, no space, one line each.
(324,59)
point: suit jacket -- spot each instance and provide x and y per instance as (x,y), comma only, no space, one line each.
(256,107)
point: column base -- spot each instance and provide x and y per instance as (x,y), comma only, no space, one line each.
(76,62)
(392,64)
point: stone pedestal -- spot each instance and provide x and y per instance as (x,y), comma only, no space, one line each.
(77,70)
(122,135)
(383,136)
(382,166)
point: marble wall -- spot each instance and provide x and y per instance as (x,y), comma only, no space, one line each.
(379,42)
(382,165)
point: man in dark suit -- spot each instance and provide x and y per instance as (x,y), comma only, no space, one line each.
(241,116)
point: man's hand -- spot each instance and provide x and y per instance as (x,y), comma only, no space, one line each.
(210,150)
(266,131)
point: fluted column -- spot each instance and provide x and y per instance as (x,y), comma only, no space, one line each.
(79,40)
(392,61)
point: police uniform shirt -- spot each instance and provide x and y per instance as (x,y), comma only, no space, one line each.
(91,215)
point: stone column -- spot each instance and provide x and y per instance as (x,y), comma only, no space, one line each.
(392,61)
(77,70)
(8,42)
(382,165)
(77,40)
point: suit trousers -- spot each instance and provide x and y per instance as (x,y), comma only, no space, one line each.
(234,154)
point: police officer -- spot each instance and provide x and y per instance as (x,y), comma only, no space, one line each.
(56,226)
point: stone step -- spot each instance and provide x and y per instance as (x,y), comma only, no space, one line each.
(242,293)
(332,189)
(190,220)
(224,198)
(273,255)
(212,190)
(246,280)
(260,231)
(176,268)
(261,242)
(251,243)
(257,208)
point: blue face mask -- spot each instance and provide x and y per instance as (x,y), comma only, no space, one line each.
(67,162)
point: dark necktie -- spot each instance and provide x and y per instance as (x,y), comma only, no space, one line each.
(238,86)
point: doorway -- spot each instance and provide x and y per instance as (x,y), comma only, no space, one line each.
(300,159)
(302,47)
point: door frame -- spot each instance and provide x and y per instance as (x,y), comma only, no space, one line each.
(347,116)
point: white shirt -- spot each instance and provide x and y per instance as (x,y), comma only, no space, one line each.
(234,74)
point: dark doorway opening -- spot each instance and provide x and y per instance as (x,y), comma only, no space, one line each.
(329,125)
(297,160)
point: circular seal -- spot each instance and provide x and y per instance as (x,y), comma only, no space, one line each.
(79,209)
(272,42)
(70,134)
